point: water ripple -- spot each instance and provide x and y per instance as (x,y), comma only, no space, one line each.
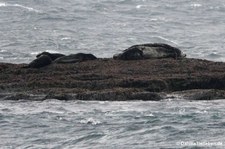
(79,124)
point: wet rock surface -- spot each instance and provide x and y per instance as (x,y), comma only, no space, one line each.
(108,79)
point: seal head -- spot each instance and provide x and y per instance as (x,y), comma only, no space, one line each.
(53,56)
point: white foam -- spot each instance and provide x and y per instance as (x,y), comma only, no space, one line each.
(90,121)
(28,8)
(2,50)
(51,51)
(35,53)
(2,4)
(196,5)
(20,6)
(154,19)
(38,52)
(140,6)
(65,38)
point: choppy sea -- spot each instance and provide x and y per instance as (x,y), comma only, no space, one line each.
(103,28)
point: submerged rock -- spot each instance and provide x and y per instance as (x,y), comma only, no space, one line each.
(126,95)
(102,95)
(22,96)
(207,94)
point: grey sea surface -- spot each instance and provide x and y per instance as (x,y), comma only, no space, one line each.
(103,28)
(95,124)
(106,27)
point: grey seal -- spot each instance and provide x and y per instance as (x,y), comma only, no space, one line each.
(39,62)
(73,58)
(53,56)
(148,51)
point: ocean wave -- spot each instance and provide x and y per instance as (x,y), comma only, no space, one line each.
(38,52)
(90,121)
(20,6)
(2,4)
(195,5)
(140,6)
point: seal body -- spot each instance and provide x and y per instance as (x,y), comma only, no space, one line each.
(130,54)
(53,56)
(148,51)
(39,62)
(73,58)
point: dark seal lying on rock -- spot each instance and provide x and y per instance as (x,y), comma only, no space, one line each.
(43,59)
(73,58)
(46,58)
(53,56)
(39,62)
(148,51)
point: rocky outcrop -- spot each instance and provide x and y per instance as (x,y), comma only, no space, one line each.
(109,79)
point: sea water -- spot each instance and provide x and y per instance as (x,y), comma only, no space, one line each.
(104,28)
(97,124)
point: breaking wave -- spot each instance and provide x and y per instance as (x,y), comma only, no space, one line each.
(20,6)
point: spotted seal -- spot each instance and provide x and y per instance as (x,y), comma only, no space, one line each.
(73,58)
(148,51)
(53,56)
(39,62)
